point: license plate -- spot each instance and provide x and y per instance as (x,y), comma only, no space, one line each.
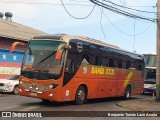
(33,94)
(147,85)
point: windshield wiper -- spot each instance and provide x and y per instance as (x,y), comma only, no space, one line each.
(45,58)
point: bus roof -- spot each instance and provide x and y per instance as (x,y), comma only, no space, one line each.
(67,38)
(148,54)
(62,36)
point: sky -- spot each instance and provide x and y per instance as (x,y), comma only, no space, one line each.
(127,33)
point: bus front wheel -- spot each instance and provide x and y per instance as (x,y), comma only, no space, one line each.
(127,93)
(81,96)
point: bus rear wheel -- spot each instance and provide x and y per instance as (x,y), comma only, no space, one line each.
(127,93)
(45,101)
(81,96)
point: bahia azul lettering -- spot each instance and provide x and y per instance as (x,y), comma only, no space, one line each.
(102,71)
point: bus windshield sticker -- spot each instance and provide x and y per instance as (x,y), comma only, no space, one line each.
(85,69)
(29,60)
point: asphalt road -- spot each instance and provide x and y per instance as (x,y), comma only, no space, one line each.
(20,103)
(9,102)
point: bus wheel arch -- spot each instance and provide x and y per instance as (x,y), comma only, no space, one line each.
(81,94)
(127,92)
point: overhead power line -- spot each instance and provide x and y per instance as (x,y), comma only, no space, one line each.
(74,16)
(43,3)
(123,2)
(128,7)
(37,3)
(127,34)
(120,11)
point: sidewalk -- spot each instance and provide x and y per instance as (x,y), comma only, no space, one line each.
(149,104)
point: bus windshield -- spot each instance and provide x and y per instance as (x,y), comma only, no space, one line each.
(150,60)
(151,76)
(40,60)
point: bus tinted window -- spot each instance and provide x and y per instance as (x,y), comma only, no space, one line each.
(111,62)
(150,60)
(96,60)
(151,76)
(128,64)
(85,59)
(119,63)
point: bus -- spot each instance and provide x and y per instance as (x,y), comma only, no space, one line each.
(150,68)
(63,67)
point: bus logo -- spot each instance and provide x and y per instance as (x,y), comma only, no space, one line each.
(79,47)
(67,92)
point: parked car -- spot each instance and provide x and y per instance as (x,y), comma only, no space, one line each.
(10,85)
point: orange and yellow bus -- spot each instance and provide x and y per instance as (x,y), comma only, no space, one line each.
(63,67)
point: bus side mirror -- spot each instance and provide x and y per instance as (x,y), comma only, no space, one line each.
(13,46)
(58,55)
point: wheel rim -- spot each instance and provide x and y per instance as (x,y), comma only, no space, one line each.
(81,96)
(128,93)
(16,90)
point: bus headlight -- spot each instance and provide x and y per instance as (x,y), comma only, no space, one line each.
(52,86)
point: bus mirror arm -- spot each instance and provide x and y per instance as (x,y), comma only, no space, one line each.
(64,46)
(67,47)
(13,46)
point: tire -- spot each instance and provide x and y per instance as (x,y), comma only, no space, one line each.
(16,90)
(81,96)
(127,93)
(45,101)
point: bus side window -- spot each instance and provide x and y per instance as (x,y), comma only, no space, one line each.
(70,66)
(85,59)
(128,64)
(96,60)
(111,62)
(119,63)
(69,71)
(139,67)
(67,65)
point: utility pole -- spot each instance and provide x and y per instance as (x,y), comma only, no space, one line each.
(158,53)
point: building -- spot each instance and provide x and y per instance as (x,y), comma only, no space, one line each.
(10,63)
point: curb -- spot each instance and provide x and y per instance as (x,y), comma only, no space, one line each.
(118,104)
(140,105)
